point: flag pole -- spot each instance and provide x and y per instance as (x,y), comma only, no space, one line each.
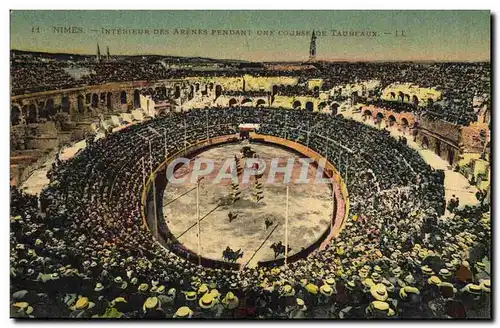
(143,173)
(150,156)
(308,133)
(185,140)
(346,167)
(165,143)
(198,218)
(154,205)
(206,111)
(286,227)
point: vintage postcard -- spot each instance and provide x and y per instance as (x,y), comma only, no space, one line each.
(250,164)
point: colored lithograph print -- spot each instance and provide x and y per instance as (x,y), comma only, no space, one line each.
(250,164)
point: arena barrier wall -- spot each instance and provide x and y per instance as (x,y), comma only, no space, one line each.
(340,198)
(149,198)
(167,240)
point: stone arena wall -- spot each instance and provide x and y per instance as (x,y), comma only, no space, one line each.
(88,104)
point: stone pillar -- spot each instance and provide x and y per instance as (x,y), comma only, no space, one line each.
(73,105)
(37,116)
(130,98)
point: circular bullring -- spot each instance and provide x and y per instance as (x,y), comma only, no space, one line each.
(102,189)
(316,203)
(228,127)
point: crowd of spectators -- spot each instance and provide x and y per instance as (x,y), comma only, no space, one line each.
(125,71)
(81,249)
(459,82)
(38,76)
(398,107)
(295,90)
(232,93)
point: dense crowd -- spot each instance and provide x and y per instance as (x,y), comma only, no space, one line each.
(40,76)
(458,82)
(232,93)
(295,90)
(394,106)
(81,250)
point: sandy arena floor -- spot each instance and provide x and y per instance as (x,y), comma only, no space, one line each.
(310,209)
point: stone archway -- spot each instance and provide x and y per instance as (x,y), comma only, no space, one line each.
(191,92)
(379,118)
(309,106)
(404,122)
(401,96)
(451,155)
(274,90)
(354,98)
(109,100)
(95,100)
(123,97)
(335,108)
(65,104)
(137,98)
(31,114)
(246,102)
(367,113)
(80,104)
(177,92)
(438,147)
(415,100)
(49,106)
(296,105)
(232,102)
(260,103)
(425,142)
(102,99)
(42,110)
(15,115)
(392,120)
(218,91)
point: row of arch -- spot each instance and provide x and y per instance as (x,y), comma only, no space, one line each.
(246,102)
(391,119)
(309,106)
(32,113)
(406,97)
(86,103)
(438,149)
(47,108)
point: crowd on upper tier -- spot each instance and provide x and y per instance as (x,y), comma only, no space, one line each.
(458,82)
(81,250)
